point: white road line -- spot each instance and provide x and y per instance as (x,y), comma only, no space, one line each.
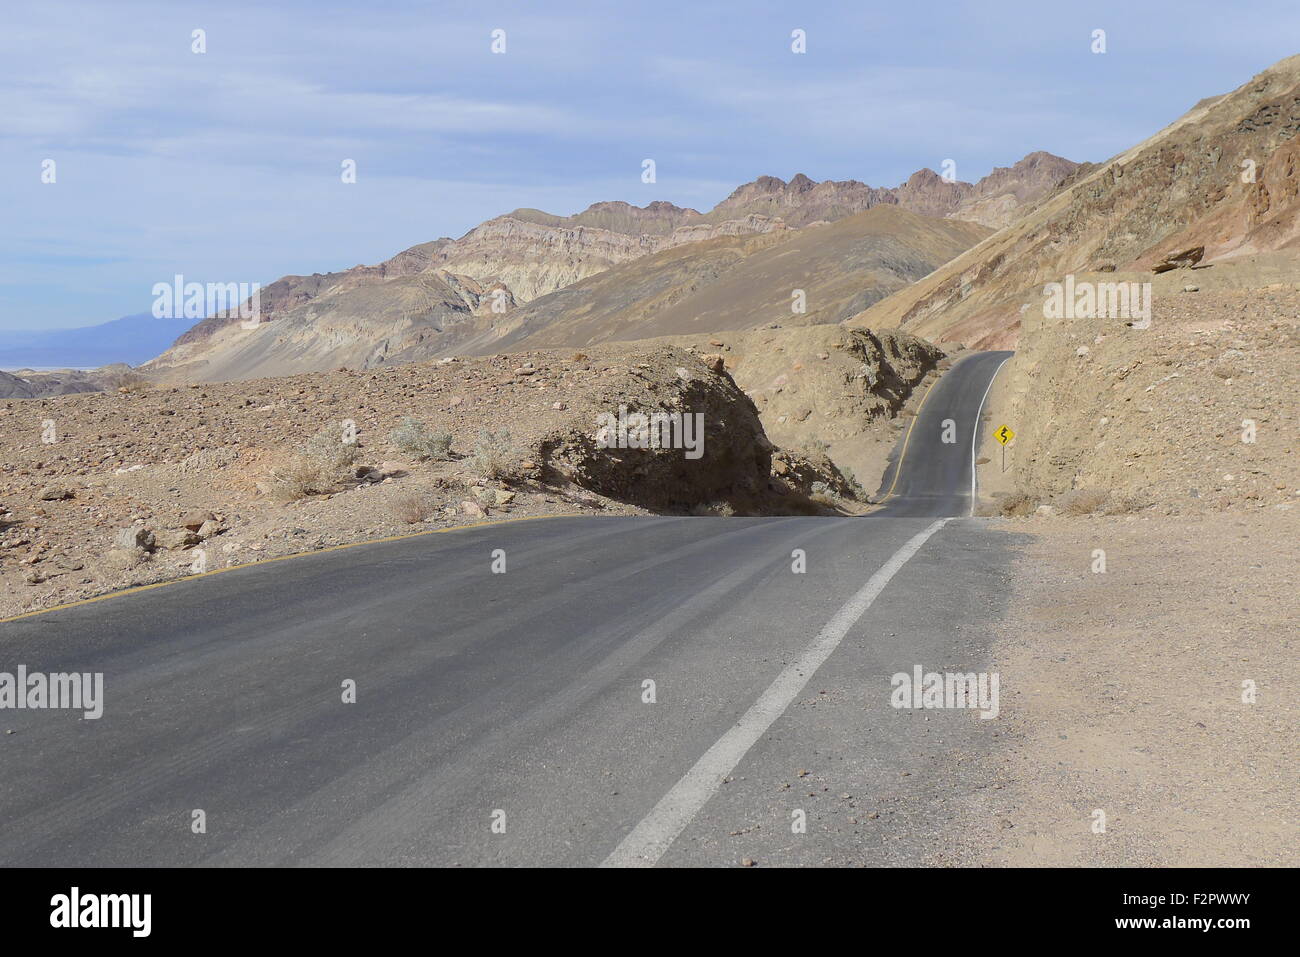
(976,431)
(652,837)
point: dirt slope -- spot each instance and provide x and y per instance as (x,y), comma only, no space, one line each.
(741,284)
(1159,419)
(1182,187)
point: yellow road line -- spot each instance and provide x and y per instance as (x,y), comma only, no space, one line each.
(278,558)
(898,468)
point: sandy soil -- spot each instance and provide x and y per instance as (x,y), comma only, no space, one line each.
(1123,692)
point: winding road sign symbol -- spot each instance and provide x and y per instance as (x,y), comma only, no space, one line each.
(1004,434)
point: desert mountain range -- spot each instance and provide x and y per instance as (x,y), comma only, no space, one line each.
(437,298)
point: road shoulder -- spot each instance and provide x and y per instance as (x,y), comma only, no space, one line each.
(1123,694)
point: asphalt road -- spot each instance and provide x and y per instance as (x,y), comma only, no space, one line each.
(937,477)
(506,719)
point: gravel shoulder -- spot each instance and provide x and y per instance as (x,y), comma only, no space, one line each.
(1123,692)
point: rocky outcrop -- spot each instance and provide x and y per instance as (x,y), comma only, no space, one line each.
(717,453)
(994,201)
(153,484)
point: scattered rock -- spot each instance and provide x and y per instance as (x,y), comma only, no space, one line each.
(177,538)
(122,559)
(137,536)
(194,520)
(1188,257)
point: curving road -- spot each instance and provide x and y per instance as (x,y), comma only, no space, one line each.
(506,718)
(937,476)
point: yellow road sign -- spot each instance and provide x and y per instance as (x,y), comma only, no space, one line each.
(1004,434)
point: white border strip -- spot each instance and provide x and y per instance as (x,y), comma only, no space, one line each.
(975,432)
(650,839)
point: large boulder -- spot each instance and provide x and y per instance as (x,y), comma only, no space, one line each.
(670,429)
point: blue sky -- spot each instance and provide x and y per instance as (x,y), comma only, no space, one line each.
(225,166)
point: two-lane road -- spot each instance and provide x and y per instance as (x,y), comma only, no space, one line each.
(936,453)
(627,691)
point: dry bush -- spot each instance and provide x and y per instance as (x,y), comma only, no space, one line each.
(414,439)
(412,508)
(856,489)
(1017,504)
(1123,505)
(713,509)
(317,469)
(327,450)
(1083,501)
(294,479)
(494,454)
(824,495)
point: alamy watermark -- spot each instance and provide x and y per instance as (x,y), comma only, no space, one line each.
(35,690)
(196,300)
(1098,300)
(946,690)
(126,911)
(656,430)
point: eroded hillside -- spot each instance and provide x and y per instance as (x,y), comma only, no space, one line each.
(1225,176)
(451,296)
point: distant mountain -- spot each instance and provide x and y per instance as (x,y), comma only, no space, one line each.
(742,283)
(455,295)
(728,282)
(131,339)
(38,385)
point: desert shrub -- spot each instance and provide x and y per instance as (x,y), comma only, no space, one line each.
(318,468)
(713,509)
(1017,504)
(1123,505)
(414,439)
(327,450)
(494,453)
(411,508)
(856,488)
(823,494)
(294,479)
(1083,501)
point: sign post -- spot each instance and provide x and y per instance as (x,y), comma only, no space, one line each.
(1004,434)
